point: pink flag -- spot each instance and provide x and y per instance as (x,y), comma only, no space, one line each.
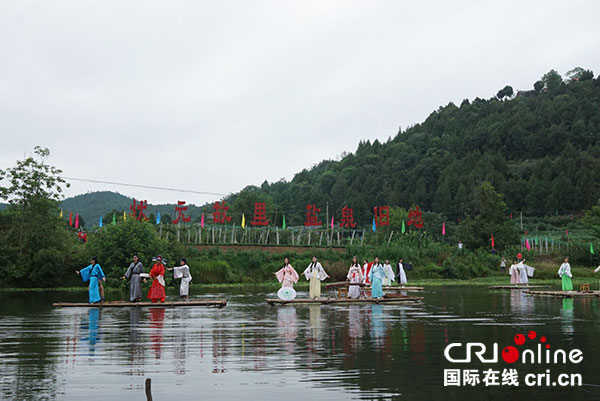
(527,244)
(77,220)
(202,221)
(493,241)
(332,222)
(444,228)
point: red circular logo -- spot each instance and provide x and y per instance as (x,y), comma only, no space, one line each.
(510,354)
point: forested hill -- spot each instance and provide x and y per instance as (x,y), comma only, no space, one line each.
(540,148)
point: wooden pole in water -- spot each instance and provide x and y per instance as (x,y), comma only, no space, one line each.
(148,389)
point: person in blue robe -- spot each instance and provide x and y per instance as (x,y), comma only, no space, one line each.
(93,274)
(376,275)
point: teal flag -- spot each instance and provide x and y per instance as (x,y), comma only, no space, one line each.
(403,228)
(100,223)
(374,227)
(158,217)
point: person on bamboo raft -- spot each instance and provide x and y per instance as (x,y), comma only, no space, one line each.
(133,275)
(315,273)
(354,276)
(389,274)
(287,276)
(513,271)
(157,290)
(377,275)
(183,272)
(564,272)
(93,274)
(401,274)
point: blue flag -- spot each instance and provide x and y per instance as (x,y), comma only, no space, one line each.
(374,226)
(100,224)
(158,217)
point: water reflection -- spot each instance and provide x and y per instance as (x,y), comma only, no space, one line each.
(89,330)
(260,352)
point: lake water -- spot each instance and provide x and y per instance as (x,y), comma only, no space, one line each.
(252,351)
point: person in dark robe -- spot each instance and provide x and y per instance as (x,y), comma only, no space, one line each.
(133,275)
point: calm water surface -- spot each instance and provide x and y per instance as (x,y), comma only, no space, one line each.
(252,351)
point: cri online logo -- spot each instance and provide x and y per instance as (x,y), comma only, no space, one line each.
(511,354)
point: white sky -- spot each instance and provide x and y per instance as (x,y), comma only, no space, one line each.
(215,95)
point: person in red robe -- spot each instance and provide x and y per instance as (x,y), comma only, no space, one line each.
(157,290)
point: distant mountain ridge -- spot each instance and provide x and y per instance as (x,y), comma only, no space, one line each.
(92,205)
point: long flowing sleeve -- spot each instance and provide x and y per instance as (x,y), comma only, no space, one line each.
(86,273)
(322,273)
(295,277)
(279,275)
(597,269)
(307,273)
(129,272)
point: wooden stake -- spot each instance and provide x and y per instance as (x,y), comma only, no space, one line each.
(148,389)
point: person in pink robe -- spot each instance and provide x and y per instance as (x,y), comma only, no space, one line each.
(287,276)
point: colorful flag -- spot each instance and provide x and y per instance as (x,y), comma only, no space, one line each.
(114,219)
(61,213)
(124,216)
(100,223)
(444,228)
(243,221)
(374,227)
(493,245)
(77,220)
(283,226)
(592,249)
(527,244)
(202,221)
(71,219)
(332,222)
(403,228)
(158,217)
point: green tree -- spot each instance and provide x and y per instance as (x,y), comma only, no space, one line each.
(38,249)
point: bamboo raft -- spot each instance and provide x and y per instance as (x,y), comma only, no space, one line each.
(326,301)
(124,304)
(564,294)
(399,288)
(516,287)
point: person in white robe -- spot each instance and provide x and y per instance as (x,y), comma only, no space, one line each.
(182,272)
(354,276)
(513,271)
(401,273)
(315,273)
(389,274)
(523,272)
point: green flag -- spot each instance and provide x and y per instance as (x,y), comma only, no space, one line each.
(283,222)
(592,248)
(114,219)
(403,228)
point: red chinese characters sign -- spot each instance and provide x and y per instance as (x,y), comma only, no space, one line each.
(347,218)
(137,209)
(311,216)
(220,213)
(382,216)
(415,218)
(180,209)
(260,215)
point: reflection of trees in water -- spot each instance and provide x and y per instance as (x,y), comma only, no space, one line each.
(28,359)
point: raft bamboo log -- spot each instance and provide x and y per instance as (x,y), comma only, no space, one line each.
(564,294)
(276,301)
(125,304)
(516,287)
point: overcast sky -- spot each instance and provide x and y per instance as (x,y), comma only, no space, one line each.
(216,95)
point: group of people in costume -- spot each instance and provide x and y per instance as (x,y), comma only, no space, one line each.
(135,275)
(520,272)
(375,274)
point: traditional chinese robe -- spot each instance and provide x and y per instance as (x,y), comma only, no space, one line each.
(365,273)
(401,274)
(354,276)
(287,276)
(376,275)
(515,277)
(157,290)
(389,275)
(183,272)
(315,273)
(565,274)
(133,275)
(522,273)
(92,273)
